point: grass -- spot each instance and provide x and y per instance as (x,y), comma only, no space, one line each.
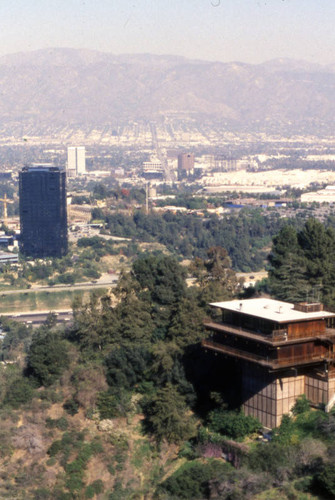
(141,453)
(48,301)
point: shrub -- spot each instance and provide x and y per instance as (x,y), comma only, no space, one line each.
(284,433)
(98,486)
(235,425)
(59,423)
(301,405)
(120,492)
(74,482)
(67,278)
(187,451)
(51,395)
(325,479)
(113,405)
(62,424)
(71,406)
(51,461)
(89,492)
(55,448)
(111,469)
(96,446)
(304,484)
(61,495)
(192,479)
(41,494)
(268,457)
(19,392)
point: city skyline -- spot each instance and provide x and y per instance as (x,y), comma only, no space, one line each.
(247,31)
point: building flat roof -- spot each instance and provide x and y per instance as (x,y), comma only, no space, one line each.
(273,310)
(42,167)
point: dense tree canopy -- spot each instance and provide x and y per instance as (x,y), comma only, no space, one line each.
(244,236)
(136,350)
(166,416)
(151,336)
(47,357)
(303,264)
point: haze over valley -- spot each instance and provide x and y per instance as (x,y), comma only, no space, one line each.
(58,93)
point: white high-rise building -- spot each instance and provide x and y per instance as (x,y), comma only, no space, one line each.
(76,161)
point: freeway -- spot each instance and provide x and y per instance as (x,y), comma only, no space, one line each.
(61,288)
(38,317)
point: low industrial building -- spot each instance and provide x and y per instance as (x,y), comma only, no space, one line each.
(8,258)
(326,195)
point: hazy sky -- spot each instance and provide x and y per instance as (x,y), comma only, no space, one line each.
(226,30)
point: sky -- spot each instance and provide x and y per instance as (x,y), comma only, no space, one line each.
(251,31)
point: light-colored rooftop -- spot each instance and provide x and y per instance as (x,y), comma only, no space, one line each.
(274,310)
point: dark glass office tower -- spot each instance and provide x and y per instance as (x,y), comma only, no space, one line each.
(43,216)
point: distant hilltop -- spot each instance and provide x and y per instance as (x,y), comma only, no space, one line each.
(47,89)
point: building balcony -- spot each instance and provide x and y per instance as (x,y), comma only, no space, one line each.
(266,361)
(276,338)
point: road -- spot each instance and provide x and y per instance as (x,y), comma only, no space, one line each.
(61,288)
(168,173)
(38,317)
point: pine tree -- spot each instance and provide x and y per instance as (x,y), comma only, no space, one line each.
(303,264)
(166,416)
(287,276)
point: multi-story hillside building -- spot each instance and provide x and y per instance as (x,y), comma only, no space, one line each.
(43,217)
(284,350)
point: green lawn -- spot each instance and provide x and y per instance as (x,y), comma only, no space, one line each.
(47,301)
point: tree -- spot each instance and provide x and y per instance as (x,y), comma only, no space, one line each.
(161,282)
(47,357)
(218,264)
(318,245)
(216,278)
(162,276)
(17,335)
(164,357)
(92,324)
(166,416)
(303,264)
(287,274)
(187,323)
(133,322)
(127,366)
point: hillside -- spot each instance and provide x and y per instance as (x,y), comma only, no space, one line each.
(79,89)
(126,404)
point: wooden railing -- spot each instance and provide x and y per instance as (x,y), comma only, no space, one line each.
(265,360)
(274,336)
(235,352)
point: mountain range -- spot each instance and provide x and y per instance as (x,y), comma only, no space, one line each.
(54,88)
